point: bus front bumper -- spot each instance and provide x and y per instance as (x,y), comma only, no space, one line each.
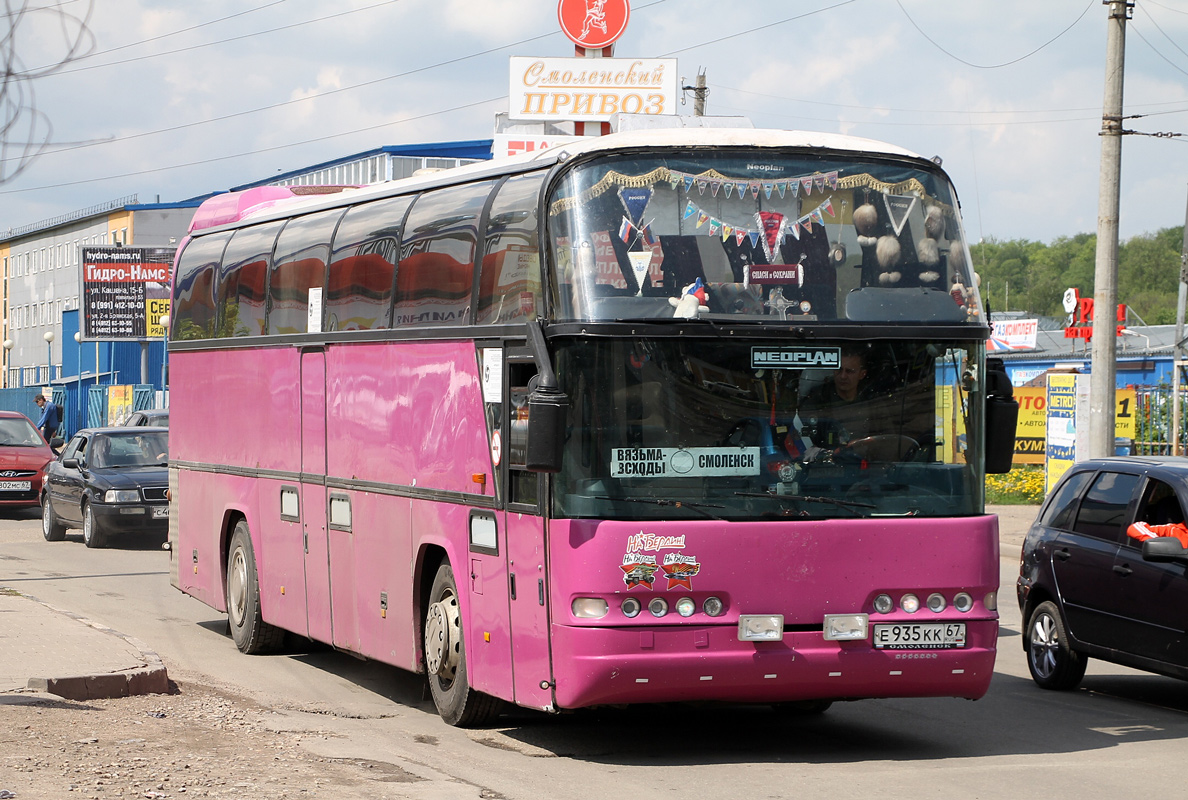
(600,666)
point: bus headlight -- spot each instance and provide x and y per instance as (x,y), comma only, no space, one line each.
(761,627)
(991,601)
(909,603)
(712,606)
(589,607)
(658,606)
(845,627)
(884,604)
(936,602)
(962,602)
(685,606)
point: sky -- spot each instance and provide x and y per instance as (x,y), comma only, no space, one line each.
(172,99)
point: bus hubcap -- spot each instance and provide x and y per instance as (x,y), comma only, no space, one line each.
(441,638)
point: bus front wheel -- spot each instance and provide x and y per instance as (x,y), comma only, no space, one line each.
(445,659)
(251,633)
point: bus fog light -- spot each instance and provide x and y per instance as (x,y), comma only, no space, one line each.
(712,606)
(761,627)
(630,607)
(589,607)
(991,601)
(936,603)
(962,602)
(658,606)
(910,603)
(685,606)
(884,604)
(845,627)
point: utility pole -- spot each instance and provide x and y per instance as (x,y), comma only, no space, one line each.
(699,94)
(1178,350)
(1102,389)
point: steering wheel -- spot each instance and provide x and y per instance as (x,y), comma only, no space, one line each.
(884,447)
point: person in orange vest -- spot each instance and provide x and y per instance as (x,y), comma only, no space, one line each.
(1142,531)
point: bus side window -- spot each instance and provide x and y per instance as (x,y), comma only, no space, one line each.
(193,299)
(509,278)
(435,277)
(241,297)
(363,266)
(522,484)
(299,266)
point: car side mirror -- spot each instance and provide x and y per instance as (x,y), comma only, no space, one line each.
(70,463)
(1166,549)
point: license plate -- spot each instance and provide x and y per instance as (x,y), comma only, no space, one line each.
(920,636)
(160,511)
(15,486)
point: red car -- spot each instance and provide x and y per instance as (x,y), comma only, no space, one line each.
(23,456)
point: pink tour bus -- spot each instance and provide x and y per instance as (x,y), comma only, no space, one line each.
(656,417)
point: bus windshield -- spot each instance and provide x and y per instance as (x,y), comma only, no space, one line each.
(748,429)
(759,235)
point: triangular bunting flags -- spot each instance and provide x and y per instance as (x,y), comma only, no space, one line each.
(754,237)
(688,183)
(828,206)
(831,179)
(781,186)
(755,190)
(702,218)
(701,187)
(739,236)
(729,187)
(767,187)
(819,182)
(714,186)
(690,209)
(807,183)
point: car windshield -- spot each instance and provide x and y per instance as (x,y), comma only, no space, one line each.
(141,449)
(19,433)
(759,236)
(755,429)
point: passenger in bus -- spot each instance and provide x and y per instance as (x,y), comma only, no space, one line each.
(833,411)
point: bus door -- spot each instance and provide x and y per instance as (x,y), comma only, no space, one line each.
(524,526)
(313,493)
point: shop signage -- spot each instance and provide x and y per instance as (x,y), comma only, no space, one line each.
(593,24)
(590,89)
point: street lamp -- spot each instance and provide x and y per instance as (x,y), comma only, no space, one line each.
(164,354)
(7,351)
(49,362)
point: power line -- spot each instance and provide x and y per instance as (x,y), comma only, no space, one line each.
(754,30)
(255,152)
(1154,50)
(991,66)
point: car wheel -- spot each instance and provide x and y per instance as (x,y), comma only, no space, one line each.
(92,536)
(1052,661)
(51,528)
(445,659)
(251,633)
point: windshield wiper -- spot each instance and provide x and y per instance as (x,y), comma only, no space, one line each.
(698,507)
(846,504)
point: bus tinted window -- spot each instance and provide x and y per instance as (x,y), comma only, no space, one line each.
(436,273)
(363,266)
(781,235)
(241,280)
(299,266)
(509,280)
(193,288)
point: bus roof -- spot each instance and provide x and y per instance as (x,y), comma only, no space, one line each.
(276,202)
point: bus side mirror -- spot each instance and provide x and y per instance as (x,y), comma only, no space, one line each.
(1002,415)
(547,411)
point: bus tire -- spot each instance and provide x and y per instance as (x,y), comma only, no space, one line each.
(51,528)
(445,659)
(1052,661)
(251,633)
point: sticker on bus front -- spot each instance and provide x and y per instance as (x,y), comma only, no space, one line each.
(684,462)
(796,357)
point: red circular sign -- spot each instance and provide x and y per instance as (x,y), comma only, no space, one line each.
(593,24)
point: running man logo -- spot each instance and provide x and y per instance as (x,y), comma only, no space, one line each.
(593,24)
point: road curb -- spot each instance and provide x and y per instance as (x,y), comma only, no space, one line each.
(151,678)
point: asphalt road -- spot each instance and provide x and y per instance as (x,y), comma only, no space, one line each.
(1117,736)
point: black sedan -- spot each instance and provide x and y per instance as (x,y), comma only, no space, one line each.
(108,481)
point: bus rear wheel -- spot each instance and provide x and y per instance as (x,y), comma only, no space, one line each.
(445,659)
(251,633)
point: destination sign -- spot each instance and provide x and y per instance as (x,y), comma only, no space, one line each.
(684,462)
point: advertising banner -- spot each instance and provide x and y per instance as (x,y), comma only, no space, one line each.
(1032,428)
(125,290)
(1014,334)
(1061,443)
(593,89)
